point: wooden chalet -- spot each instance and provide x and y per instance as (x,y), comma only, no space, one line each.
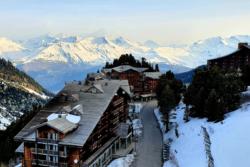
(85,131)
(151,80)
(141,81)
(234,61)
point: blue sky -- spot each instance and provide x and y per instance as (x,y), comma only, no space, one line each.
(165,21)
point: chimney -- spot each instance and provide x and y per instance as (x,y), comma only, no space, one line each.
(242,44)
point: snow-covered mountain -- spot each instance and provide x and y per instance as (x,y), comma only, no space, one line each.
(7,45)
(53,60)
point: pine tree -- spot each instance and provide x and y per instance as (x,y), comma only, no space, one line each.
(166,103)
(157,68)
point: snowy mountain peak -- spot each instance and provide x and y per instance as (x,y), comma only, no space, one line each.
(52,56)
(151,44)
(100,41)
(7,45)
(122,42)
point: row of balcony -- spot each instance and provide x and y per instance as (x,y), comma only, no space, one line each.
(48,163)
(44,140)
(48,152)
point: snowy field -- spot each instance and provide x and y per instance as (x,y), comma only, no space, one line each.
(229,140)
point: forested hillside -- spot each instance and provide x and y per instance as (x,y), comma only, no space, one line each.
(19,94)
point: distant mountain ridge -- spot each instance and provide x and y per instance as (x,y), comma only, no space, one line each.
(62,58)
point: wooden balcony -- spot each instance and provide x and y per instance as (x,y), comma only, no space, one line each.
(48,152)
(49,163)
(44,140)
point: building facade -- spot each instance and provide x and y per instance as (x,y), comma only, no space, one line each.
(234,61)
(86,131)
(142,83)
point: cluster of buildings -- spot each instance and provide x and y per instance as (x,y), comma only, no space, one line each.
(87,123)
(236,60)
(143,83)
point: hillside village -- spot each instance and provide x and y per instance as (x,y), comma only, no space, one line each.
(109,118)
(135,83)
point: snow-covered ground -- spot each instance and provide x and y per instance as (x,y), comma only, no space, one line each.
(122,162)
(3,120)
(137,127)
(229,140)
(138,107)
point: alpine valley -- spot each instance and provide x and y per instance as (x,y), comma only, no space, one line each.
(53,60)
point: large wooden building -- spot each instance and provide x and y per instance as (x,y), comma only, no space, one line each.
(84,125)
(234,61)
(142,83)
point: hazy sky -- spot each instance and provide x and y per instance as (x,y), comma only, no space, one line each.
(165,21)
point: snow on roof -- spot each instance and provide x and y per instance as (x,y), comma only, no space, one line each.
(99,87)
(72,118)
(78,108)
(95,88)
(94,105)
(62,124)
(123,68)
(20,148)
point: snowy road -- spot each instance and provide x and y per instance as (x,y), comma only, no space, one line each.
(149,147)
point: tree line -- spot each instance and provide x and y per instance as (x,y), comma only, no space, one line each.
(129,59)
(211,94)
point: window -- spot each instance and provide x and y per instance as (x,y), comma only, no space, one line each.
(53,136)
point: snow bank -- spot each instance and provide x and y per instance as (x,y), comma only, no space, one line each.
(137,127)
(229,140)
(122,162)
(159,116)
(138,107)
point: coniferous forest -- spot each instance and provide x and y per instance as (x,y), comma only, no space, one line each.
(129,59)
(212,93)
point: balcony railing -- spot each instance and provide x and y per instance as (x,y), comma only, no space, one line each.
(44,151)
(44,140)
(44,162)
(49,152)
(49,163)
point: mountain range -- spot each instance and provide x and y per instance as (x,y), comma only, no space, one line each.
(54,60)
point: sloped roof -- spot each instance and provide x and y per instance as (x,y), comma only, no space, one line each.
(123,68)
(20,148)
(99,87)
(94,105)
(60,124)
(153,75)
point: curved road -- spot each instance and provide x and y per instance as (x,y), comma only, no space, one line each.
(149,146)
